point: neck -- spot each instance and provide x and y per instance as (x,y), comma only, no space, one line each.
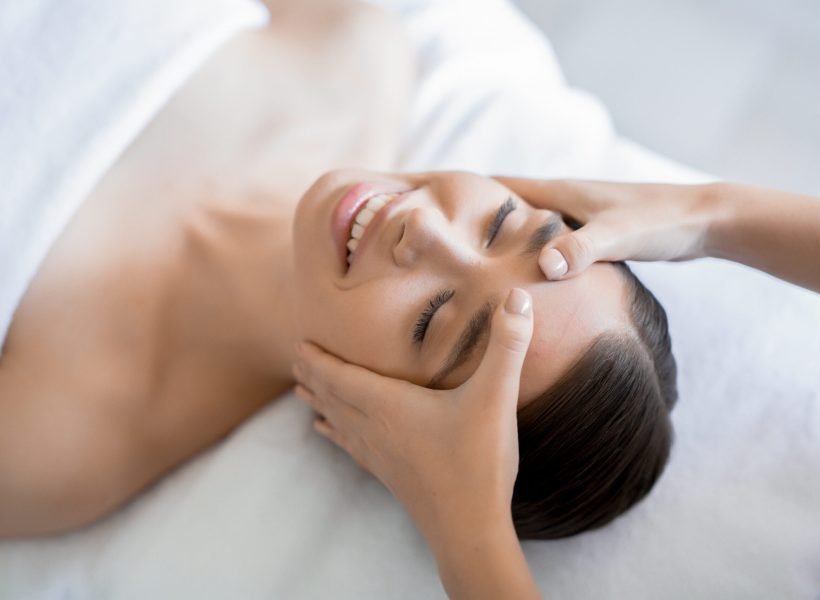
(237,289)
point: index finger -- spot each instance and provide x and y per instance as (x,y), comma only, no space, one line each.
(330,376)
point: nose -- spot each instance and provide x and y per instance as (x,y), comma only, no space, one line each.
(428,238)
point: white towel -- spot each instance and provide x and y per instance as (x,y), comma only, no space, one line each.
(78,80)
(277,512)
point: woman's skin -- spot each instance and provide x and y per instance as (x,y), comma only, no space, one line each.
(467,519)
(159,320)
(168,310)
(439,451)
(173,289)
(769,230)
(435,238)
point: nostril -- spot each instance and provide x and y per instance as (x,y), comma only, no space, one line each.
(400,251)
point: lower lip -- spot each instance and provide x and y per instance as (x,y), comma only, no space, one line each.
(346,208)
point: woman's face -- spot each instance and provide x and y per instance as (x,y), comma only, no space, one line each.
(416,301)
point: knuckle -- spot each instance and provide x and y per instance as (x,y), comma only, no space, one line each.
(332,390)
(580,247)
(312,400)
(517,342)
(516,336)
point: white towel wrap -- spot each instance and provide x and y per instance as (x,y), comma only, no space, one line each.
(79,80)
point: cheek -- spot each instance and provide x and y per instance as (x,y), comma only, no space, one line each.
(361,326)
(338,330)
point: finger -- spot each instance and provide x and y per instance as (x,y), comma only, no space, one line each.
(312,400)
(334,379)
(552,194)
(499,374)
(571,253)
(309,398)
(325,429)
(339,412)
(328,431)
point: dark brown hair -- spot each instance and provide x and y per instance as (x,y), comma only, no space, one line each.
(596,441)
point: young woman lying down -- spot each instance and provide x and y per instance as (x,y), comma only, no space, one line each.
(261,207)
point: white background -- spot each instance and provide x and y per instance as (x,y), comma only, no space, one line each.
(731,87)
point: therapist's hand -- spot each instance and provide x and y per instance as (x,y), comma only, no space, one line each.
(619,221)
(449,456)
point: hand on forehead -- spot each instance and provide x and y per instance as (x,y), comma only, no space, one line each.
(568,316)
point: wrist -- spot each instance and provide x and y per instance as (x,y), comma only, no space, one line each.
(484,561)
(717,206)
(464,529)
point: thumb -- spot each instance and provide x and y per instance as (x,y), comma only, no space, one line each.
(571,253)
(499,373)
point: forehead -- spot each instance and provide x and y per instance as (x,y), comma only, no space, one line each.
(568,315)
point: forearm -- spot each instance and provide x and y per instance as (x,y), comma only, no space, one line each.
(482,559)
(777,232)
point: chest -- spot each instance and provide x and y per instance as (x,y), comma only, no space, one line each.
(97,320)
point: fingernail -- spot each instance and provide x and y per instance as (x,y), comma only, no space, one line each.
(553,264)
(518,303)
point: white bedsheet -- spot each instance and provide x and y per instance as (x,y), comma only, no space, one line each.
(276,512)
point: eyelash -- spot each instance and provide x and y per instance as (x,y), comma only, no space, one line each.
(505,209)
(420,329)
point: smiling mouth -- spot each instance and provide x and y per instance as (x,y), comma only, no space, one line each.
(363,218)
(356,212)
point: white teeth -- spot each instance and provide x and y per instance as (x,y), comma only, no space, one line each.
(377,202)
(363,218)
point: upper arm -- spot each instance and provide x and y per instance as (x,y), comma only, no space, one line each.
(63,460)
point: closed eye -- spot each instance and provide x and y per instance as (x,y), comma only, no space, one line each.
(495,225)
(423,322)
(442,297)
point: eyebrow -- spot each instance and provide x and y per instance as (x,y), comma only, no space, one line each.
(478,326)
(539,238)
(477,329)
